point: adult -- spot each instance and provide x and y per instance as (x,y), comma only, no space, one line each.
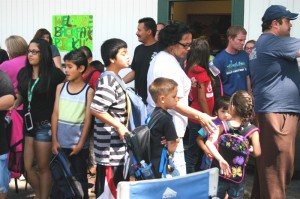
(3,56)
(6,101)
(276,90)
(37,83)
(176,39)
(159,27)
(143,54)
(45,34)
(233,62)
(17,49)
(249,46)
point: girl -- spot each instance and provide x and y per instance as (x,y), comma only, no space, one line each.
(201,95)
(241,109)
(37,83)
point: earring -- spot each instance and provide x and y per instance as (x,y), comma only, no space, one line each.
(163,102)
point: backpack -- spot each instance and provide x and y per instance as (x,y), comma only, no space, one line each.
(137,109)
(138,144)
(233,145)
(14,131)
(88,78)
(67,186)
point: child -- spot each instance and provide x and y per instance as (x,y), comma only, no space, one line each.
(241,109)
(110,110)
(221,110)
(71,118)
(164,93)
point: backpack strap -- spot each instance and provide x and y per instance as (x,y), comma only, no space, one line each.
(124,87)
(88,78)
(249,129)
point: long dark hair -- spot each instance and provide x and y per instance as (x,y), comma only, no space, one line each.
(45,67)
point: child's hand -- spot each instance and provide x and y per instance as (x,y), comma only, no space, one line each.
(55,147)
(122,130)
(163,140)
(251,149)
(224,168)
(76,149)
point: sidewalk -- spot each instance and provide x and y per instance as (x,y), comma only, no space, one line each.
(292,191)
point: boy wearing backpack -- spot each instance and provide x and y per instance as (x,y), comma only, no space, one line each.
(71,118)
(236,138)
(164,93)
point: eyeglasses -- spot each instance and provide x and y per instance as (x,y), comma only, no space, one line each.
(34,52)
(186,46)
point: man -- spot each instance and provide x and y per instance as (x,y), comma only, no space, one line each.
(143,54)
(233,62)
(276,90)
(6,101)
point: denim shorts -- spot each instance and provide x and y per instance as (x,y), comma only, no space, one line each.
(4,174)
(41,132)
(235,191)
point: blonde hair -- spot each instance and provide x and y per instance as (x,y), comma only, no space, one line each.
(161,86)
(16,46)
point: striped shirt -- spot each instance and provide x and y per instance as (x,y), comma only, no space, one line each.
(109,98)
(71,115)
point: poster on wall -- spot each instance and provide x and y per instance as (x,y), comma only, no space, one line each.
(69,32)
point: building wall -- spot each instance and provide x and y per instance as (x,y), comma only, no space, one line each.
(254,10)
(111,18)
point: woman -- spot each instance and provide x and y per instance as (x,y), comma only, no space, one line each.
(176,39)
(37,83)
(201,96)
(45,34)
(17,48)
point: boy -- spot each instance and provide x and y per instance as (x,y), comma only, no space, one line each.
(221,110)
(110,110)
(71,118)
(164,93)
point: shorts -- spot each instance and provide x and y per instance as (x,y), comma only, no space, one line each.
(4,174)
(234,190)
(41,132)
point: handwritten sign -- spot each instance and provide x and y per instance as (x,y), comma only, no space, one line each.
(69,32)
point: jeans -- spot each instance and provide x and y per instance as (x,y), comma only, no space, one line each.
(193,152)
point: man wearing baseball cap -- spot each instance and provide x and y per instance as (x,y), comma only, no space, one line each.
(275,80)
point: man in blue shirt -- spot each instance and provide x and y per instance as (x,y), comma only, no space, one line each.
(275,80)
(233,62)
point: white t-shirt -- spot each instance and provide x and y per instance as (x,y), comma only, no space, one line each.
(166,65)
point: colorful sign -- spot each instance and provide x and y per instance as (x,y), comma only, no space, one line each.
(69,32)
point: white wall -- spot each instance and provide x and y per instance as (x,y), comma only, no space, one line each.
(254,10)
(112,18)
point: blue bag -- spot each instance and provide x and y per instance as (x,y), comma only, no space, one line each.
(66,185)
(137,108)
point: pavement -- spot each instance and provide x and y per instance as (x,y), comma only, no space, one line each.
(292,190)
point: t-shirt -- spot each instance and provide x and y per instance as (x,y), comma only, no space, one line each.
(12,67)
(109,98)
(199,74)
(140,64)
(94,78)
(275,75)
(234,70)
(42,101)
(166,65)
(6,88)
(165,127)
(55,52)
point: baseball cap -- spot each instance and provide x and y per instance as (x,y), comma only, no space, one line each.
(276,11)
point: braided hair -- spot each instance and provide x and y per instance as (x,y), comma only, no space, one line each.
(243,103)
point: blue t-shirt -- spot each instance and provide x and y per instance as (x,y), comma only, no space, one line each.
(234,70)
(275,76)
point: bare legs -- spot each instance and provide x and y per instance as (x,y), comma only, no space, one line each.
(40,182)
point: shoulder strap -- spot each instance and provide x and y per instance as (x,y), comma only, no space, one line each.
(88,78)
(122,84)
(226,125)
(153,120)
(248,130)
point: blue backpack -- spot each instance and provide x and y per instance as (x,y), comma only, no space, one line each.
(137,109)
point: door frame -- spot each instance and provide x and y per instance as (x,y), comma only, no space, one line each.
(237,15)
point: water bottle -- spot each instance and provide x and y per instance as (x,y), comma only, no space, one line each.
(146,171)
(213,69)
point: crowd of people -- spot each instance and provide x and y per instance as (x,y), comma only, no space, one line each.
(86,116)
